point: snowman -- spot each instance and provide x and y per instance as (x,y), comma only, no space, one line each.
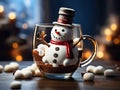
(61,50)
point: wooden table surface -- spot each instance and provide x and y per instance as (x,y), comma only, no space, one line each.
(76,83)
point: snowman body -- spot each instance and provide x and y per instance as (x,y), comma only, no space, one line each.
(56,54)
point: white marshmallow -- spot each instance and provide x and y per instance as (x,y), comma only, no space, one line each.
(15,85)
(24,69)
(1,68)
(27,74)
(8,68)
(18,74)
(37,73)
(31,69)
(11,67)
(108,73)
(88,77)
(34,66)
(99,70)
(90,68)
(15,65)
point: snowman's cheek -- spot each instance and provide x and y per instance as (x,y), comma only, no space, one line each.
(63,34)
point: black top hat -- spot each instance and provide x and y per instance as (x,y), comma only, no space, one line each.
(65,17)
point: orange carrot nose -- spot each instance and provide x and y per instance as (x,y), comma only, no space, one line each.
(58,33)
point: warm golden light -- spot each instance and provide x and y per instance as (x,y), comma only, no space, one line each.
(12,16)
(107,32)
(19,58)
(116,41)
(1,9)
(100,54)
(113,27)
(101,47)
(108,38)
(25,26)
(87,54)
(15,45)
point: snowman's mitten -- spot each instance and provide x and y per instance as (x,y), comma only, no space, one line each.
(44,59)
(41,52)
(66,62)
(41,49)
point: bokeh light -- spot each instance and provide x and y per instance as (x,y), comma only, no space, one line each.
(19,58)
(107,32)
(25,26)
(100,54)
(108,38)
(12,15)
(113,27)
(15,45)
(1,9)
(116,41)
(87,54)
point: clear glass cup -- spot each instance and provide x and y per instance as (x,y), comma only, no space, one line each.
(60,72)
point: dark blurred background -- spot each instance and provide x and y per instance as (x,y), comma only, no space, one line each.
(98,18)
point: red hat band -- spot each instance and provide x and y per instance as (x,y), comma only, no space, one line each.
(63,20)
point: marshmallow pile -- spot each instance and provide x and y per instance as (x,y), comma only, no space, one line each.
(28,72)
(97,70)
(11,67)
(25,73)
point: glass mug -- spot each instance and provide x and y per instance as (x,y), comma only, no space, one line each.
(61,71)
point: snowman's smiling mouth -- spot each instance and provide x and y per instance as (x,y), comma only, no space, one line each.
(58,37)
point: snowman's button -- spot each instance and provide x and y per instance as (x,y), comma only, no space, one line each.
(54,61)
(57,48)
(55,55)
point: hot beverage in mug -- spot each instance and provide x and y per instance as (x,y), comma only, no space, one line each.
(57,48)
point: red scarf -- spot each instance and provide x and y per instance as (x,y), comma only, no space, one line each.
(69,53)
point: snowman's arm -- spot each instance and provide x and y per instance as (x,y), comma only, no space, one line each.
(43,41)
(41,37)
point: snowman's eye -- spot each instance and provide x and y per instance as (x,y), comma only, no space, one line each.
(55,30)
(63,30)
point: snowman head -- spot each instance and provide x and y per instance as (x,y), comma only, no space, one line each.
(61,33)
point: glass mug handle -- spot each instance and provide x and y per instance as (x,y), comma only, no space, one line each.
(90,58)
